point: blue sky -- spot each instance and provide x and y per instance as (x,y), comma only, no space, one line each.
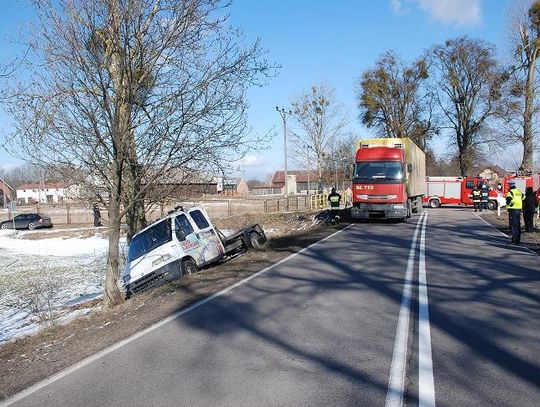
(317,41)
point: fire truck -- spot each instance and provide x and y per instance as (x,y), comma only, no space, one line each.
(457,191)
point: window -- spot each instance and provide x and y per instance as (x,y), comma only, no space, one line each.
(151,238)
(182,227)
(199,219)
(379,171)
(469,185)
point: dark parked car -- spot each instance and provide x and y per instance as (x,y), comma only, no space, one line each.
(28,221)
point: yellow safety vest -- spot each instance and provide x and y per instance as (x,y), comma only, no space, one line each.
(517,199)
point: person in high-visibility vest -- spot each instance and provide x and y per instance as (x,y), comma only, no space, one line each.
(514,204)
(334,198)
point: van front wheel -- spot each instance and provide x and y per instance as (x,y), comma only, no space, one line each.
(188,267)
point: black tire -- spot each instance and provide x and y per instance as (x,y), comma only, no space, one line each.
(434,203)
(256,240)
(5,226)
(417,207)
(188,266)
(31,226)
(129,293)
(492,205)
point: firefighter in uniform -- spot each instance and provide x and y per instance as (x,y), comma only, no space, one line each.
(476,198)
(334,198)
(514,203)
(484,193)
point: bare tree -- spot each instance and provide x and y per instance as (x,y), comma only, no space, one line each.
(130,90)
(468,92)
(339,155)
(524,32)
(394,100)
(320,119)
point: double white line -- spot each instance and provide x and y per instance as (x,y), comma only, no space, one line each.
(396,382)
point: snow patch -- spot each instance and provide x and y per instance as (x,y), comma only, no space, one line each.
(55,246)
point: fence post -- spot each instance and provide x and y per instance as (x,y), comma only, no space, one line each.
(68,215)
(229,209)
(266,206)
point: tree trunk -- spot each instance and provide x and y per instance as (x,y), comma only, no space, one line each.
(465,162)
(527,161)
(113,295)
(135,215)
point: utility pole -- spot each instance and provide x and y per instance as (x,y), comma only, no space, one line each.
(284,112)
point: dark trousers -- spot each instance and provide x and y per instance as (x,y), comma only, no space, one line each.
(528,218)
(514,217)
(477,206)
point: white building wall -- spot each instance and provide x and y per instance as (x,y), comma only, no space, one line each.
(43,195)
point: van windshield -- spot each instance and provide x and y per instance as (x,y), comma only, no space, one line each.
(378,171)
(151,238)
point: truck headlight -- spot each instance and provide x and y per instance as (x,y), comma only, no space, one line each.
(399,206)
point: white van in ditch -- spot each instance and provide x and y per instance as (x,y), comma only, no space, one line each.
(181,243)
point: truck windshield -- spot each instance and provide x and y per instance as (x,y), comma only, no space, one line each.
(378,171)
(146,241)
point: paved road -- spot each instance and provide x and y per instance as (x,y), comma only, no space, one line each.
(328,327)
(484,307)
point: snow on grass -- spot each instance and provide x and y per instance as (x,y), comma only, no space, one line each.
(53,246)
(40,278)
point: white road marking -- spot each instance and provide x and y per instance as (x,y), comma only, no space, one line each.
(426,386)
(106,351)
(396,381)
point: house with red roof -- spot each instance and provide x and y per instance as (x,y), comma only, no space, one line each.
(6,193)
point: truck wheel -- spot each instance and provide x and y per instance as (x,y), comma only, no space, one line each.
(188,266)
(256,240)
(417,207)
(492,205)
(434,203)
